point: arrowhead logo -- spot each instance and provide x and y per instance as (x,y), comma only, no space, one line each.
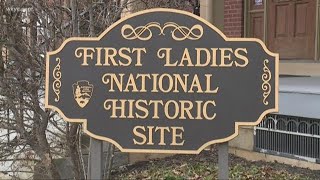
(82,92)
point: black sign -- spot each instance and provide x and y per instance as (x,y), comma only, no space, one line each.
(162,81)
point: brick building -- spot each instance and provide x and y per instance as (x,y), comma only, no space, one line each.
(290,28)
(233,18)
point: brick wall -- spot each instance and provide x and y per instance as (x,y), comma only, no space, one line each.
(233,18)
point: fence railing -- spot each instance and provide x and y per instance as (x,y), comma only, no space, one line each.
(289,136)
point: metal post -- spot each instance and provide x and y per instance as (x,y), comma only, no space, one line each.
(317,44)
(265,22)
(223,161)
(95,159)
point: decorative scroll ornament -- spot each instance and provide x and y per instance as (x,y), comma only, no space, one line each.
(56,85)
(179,33)
(266,77)
(142,33)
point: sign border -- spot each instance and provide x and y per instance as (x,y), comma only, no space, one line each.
(237,124)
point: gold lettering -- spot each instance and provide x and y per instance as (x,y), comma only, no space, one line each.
(186,107)
(150,141)
(170,83)
(208,57)
(214,57)
(86,53)
(110,56)
(162,132)
(124,56)
(140,135)
(175,109)
(208,85)
(156,108)
(98,63)
(131,83)
(175,135)
(154,83)
(143,81)
(241,57)
(114,107)
(182,83)
(167,56)
(199,107)
(186,57)
(130,115)
(205,111)
(106,78)
(195,83)
(142,109)
(226,56)
(139,54)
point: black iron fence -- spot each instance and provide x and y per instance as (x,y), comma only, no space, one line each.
(289,136)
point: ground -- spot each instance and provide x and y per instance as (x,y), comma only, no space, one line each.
(204,166)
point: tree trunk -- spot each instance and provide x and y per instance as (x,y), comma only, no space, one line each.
(40,145)
(47,163)
(40,142)
(74,153)
(73,136)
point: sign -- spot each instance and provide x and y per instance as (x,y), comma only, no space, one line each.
(162,81)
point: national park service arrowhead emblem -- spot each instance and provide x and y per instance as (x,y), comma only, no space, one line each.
(82,92)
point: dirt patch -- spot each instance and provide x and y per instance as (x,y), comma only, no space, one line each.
(204,166)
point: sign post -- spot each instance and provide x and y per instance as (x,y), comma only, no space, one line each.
(162,81)
(223,161)
(95,161)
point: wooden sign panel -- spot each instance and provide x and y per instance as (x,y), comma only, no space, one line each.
(162,81)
